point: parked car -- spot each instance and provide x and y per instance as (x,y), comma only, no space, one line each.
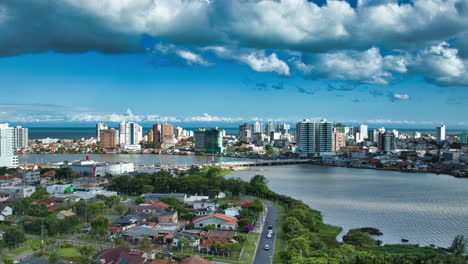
(168,253)
(266,247)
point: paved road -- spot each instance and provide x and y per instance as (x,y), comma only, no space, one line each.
(266,256)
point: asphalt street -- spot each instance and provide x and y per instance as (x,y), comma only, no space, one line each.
(266,256)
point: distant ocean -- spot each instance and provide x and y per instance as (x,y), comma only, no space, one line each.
(88,132)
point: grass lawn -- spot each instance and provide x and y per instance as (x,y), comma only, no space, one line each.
(250,247)
(68,252)
(27,245)
(328,234)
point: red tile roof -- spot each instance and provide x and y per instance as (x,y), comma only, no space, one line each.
(195,260)
(226,218)
(157,202)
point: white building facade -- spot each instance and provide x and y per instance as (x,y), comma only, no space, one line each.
(7,147)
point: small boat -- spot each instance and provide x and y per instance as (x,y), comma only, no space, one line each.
(404,240)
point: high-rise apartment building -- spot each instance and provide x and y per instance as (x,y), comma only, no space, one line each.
(387,141)
(314,138)
(324,139)
(340,128)
(7,146)
(150,136)
(245,133)
(209,140)
(363,132)
(271,127)
(305,137)
(167,134)
(179,133)
(464,138)
(21,138)
(157,132)
(109,138)
(214,141)
(131,134)
(285,128)
(258,127)
(339,139)
(440,133)
(100,126)
(199,137)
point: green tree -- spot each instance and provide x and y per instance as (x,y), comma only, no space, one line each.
(121,208)
(99,225)
(111,201)
(459,245)
(183,243)
(139,200)
(14,235)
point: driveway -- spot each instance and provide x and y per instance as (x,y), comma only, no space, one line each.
(263,256)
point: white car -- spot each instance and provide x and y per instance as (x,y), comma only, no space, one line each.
(270,232)
(266,247)
(269,235)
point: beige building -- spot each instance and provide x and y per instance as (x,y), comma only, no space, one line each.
(339,140)
(108,138)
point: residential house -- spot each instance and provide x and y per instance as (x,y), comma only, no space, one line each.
(5,212)
(150,211)
(65,213)
(194,240)
(48,202)
(156,203)
(122,255)
(219,236)
(220,221)
(233,211)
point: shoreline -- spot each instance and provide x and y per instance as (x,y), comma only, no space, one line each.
(438,172)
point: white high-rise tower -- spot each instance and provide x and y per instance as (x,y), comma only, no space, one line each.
(7,146)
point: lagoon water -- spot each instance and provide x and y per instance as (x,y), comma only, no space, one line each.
(421,207)
(139,159)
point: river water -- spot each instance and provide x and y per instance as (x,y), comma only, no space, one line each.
(421,207)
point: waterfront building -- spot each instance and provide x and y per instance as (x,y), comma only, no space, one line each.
(387,141)
(305,137)
(339,139)
(7,146)
(199,137)
(464,138)
(179,133)
(440,133)
(209,140)
(214,141)
(157,132)
(131,134)
(150,136)
(374,136)
(245,133)
(100,169)
(285,128)
(259,138)
(167,134)
(21,138)
(324,132)
(109,138)
(100,126)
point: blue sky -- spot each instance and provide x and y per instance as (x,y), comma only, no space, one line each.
(199,71)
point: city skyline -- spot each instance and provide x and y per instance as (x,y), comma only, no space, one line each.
(287,69)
